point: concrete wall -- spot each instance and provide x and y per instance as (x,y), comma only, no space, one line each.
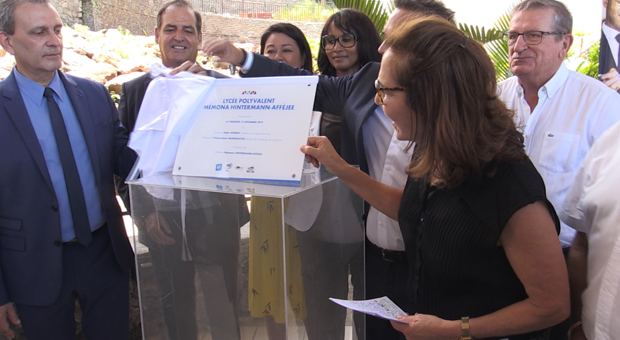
(139,17)
(70,11)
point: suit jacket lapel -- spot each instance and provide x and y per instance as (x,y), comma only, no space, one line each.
(14,106)
(80,106)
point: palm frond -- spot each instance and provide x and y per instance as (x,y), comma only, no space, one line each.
(374,9)
(480,33)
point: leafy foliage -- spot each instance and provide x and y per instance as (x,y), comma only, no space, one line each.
(590,65)
(374,9)
(492,39)
(305,11)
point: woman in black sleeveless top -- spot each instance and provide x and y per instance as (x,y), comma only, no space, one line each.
(481,237)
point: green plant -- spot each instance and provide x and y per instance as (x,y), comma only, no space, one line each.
(123,31)
(314,43)
(492,39)
(377,11)
(589,66)
(115,97)
(305,11)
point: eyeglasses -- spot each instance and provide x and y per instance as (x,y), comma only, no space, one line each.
(381,90)
(530,37)
(345,40)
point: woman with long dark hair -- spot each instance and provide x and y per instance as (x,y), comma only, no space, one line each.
(349,40)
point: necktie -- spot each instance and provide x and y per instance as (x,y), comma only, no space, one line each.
(617,60)
(72,177)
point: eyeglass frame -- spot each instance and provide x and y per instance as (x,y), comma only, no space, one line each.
(505,35)
(337,40)
(380,89)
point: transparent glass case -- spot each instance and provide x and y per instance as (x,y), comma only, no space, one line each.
(225,260)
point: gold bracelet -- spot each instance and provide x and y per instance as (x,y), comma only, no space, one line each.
(572,328)
(465,331)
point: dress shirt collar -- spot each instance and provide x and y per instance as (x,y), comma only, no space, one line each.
(552,86)
(610,32)
(557,81)
(34,91)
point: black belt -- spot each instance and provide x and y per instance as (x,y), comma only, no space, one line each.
(98,230)
(386,254)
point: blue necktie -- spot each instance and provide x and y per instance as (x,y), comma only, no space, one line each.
(72,176)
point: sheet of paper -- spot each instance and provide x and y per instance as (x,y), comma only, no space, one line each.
(249,128)
(381,307)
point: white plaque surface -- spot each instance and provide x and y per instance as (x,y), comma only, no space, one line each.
(249,128)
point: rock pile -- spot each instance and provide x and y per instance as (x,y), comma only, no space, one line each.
(110,57)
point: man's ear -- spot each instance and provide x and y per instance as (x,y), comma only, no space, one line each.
(156,35)
(567,42)
(5,41)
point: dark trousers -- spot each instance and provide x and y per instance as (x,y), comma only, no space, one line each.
(325,268)
(92,276)
(214,249)
(386,279)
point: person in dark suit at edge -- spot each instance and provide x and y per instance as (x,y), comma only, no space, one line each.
(213,220)
(62,237)
(368,141)
(610,45)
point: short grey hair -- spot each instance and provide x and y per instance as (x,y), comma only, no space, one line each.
(562,19)
(7,13)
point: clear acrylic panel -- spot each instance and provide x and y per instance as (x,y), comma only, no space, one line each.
(225,260)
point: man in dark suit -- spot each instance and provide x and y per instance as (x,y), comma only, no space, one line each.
(61,233)
(610,45)
(368,141)
(212,220)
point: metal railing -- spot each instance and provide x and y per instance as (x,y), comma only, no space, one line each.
(292,10)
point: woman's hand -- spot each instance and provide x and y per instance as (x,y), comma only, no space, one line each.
(321,150)
(422,326)
(224,50)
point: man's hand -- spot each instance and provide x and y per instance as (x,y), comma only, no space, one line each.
(189,66)
(225,50)
(7,312)
(158,229)
(611,79)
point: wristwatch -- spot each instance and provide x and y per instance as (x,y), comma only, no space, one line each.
(465,332)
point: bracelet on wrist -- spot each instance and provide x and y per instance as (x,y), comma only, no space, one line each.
(465,331)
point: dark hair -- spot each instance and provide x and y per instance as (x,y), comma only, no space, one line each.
(368,40)
(450,86)
(294,33)
(562,19)
(7,13)
(180,3)
(427,8)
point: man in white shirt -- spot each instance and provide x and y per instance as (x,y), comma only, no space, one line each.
(592,207)
(560,112)
(610,45)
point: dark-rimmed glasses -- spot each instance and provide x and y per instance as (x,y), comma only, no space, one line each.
(530,37)
(381,90)
(345,40)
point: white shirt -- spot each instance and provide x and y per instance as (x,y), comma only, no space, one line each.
(387,163)
(573,110)
(592,206)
